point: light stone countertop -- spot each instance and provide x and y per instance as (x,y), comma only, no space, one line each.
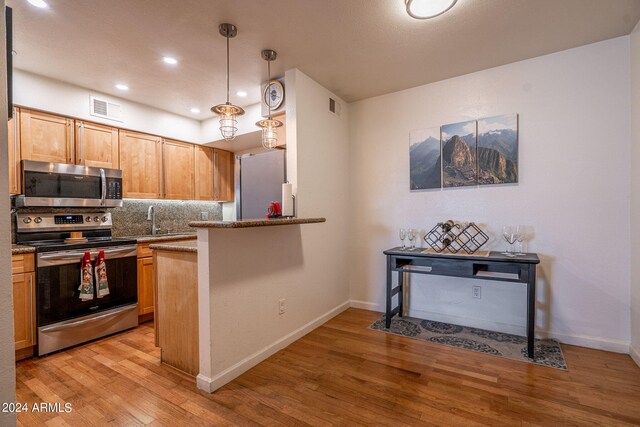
(22,249)
(161,237)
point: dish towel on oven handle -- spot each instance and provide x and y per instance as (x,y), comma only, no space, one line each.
(101,275)
(86,278)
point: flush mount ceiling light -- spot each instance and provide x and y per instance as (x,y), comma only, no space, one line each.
(425,9)
(121,86)
(195,110)
(169,60)
(269,125)
(38,3)
(241,93)
(228,111)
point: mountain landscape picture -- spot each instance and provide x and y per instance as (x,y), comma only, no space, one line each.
(459,163)
(498,149)
(424,159)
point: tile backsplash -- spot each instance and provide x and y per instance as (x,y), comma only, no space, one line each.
(174,215)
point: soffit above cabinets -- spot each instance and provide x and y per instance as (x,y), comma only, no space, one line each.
(355,48)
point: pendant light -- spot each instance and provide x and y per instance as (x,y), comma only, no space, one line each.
(227,111)
(269,125)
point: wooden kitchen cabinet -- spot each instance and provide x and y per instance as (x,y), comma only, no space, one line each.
(45,137)
(178,170)
(14,153)
(24,304)
(146,288)
(203,173)
(223,176)
(141,164)
(96,145)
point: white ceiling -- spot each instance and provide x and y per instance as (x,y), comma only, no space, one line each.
(356,48)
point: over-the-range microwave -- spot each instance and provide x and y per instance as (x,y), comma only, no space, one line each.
(64,185)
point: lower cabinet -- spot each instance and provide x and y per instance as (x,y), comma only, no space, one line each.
(24,304)
(146,288)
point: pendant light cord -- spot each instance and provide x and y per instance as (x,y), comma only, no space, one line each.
(269,86)
(227,68)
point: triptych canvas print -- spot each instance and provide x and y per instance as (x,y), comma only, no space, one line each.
(475,152)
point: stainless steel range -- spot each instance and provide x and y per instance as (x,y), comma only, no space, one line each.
(63,318)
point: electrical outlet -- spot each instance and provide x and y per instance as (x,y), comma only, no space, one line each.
(281,306)
(476,292)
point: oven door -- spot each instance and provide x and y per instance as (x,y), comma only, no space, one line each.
(58,279)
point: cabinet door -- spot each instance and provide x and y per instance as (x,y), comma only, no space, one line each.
(96,145)
(145,286)
(140,161)
(178,170)
(45,137)
(24,310)
(204,173)
(14,153)
(223,179)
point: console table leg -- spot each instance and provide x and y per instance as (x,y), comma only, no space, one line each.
(531,310)
(389,296)
(400,293)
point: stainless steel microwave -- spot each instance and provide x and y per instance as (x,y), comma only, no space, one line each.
(60,184)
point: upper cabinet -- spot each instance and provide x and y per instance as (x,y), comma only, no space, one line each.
(96,145)
(141,164)
(203,173)
(223,176)
(14,153)
(178,170)
(45,137)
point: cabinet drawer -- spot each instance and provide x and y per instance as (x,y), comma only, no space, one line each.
(23,263)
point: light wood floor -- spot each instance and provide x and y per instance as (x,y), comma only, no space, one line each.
(340,374)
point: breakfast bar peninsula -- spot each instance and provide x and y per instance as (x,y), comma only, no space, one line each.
(259,284)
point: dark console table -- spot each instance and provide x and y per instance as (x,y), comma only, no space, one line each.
(495,266)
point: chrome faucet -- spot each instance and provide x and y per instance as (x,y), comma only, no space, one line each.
(151,216)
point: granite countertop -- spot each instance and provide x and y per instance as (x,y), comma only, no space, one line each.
(189,246)
(22,249)
(255,222)
(149,238)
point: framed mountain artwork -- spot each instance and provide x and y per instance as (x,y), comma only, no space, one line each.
(424,159)
(498,150)
(459,165)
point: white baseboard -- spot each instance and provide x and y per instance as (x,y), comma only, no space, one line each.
(212,384)
(635,354)
(579,340)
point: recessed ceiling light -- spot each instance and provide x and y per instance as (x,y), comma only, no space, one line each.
(38,3)
(425,9)
(195,110)
(120,86)
(241,93)
(169,60)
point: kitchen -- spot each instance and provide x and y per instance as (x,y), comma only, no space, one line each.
(201,195)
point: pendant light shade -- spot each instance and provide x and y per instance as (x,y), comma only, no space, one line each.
(269,125)
(227,111)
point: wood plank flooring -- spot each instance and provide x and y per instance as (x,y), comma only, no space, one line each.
(340,374)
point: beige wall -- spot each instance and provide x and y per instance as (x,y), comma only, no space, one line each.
(635,194)
(7,358)
(573,193)
(243,273)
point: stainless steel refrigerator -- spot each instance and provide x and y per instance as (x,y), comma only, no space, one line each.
(259,179)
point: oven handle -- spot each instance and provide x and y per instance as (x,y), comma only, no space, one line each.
(103,182)
(68,257)
(70,325)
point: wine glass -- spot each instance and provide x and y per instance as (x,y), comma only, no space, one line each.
(509,236)
(412,233)
(403,235)
(520,235)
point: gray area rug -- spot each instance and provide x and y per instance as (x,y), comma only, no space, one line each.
(547,351)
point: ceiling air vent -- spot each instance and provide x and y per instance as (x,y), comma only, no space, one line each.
(105,109)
